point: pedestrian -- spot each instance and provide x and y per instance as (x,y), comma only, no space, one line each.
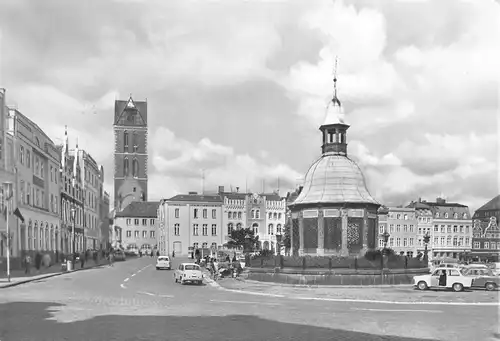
(158,253)
(27,264)
(111,259)
(152,254)
(173,254)
(82,260)
(215,267)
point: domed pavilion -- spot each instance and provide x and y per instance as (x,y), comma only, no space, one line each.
(334,214)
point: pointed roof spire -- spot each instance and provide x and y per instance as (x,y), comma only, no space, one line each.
(334,110)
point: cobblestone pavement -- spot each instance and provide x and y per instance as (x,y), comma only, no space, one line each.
(133,301)
(393,294)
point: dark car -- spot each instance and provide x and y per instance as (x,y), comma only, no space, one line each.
(119,255)
(483,278)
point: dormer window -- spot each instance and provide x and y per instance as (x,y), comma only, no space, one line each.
(465,216)
(437,214)
(455,215)
(446,215)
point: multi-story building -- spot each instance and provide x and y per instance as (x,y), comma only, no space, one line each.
(138,223)
(383,215)
(486,233)
(130,155)
(189,222)
(36,162)
(265,213)
(451,231)
(7,176)
(401,224)
(104,221)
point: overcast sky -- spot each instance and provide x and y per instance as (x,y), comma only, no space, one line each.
(239,88)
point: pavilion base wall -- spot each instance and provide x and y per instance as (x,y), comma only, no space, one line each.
(335,277)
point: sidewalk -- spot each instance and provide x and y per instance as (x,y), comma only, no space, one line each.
(19,277)
(392,294)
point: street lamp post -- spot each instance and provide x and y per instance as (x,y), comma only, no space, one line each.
(73,241)
(386,236)
(278,243)
(426,242)
(8,193)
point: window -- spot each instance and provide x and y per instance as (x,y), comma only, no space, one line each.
(134,141)
(455,241)
(204,245)
(204,229)
(176,230)
(405,228)
(125,141)
(275,216)
(144,222)
(270,215)
(467,241)
(398,241)
(129,233)
(391,228)
(136,221)
(229,228)
(455,228)
(37,166)
(135,168)
(144,234)
(229,215)
(270,229)
(411,241)
(129,221)
(406,216)
(412,228)
(405,242)
(176,213)
(391,241)
(21,155)
(195,213)
(398,228)
(151,222)
(195,229)
(28,159)
(238,226)
(437,214)
(453,273)
(42,172)
(381,229)
(398,216)
(151,234)
(214,230)
(493,245)
(278,229)
(125,166)
(257,214)
(455,215)
(486,245)
(239,215)
(476,245)
(214,214)
(380,243)
(136,234)
(205,214)
(461,229)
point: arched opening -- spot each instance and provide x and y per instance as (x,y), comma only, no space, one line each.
(125,166)
(255,228)
(266,245)
(135,168)
(125,141)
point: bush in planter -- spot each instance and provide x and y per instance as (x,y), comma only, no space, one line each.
(318,262)
(416,263)
(340,262)
(364,263)
(292,262)
(268,262)
(396,262)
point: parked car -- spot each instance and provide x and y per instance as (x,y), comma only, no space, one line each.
(119,255)
(450,278)
(163,262)
(483,278)
(495,267)
(188,272)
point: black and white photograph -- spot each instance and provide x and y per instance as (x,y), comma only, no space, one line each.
(249,170)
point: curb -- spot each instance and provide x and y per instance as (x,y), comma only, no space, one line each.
(15,284)
(316,286)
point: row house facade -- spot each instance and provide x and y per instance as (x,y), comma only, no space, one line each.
(190,221)
(33,159)
(450,228)
(139,226)
(401,224)
(486,232)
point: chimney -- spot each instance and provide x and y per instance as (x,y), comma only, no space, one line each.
(192,193)
(419,199)
(221,189)
(237,189)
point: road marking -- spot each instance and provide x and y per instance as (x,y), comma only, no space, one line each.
(133,275)
(246,302)
(146,293)
(400,310)
(126,279)
(166,296)
(123,286)
(352,300)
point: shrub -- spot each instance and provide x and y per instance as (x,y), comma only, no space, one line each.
(340,262)
(317,262)
(372,255)
(416,263)
(292,262)
(46,261)
(396,262)
(38,260)
(364,263)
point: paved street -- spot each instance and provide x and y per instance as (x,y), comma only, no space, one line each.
(133,301)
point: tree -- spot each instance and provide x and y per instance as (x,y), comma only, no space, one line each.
(238,239)
(287,240)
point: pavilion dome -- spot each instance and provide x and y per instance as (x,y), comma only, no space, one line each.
(334,179)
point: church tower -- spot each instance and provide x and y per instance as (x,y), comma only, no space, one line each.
(131,153)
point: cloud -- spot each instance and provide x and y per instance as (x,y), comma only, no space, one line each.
(240,88)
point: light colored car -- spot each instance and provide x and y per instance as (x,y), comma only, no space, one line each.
(188,272)
(163,262)
(455,280)
(483,278)
(495,267)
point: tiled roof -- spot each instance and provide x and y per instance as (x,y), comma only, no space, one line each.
(492,205)
(197,197)
(141,209)
(234,196)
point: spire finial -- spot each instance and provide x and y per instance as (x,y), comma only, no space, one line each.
(65,130)
(77,142)
(335,99)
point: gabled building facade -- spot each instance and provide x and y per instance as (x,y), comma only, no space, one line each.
(401,224)
(130,155)
(486,233)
